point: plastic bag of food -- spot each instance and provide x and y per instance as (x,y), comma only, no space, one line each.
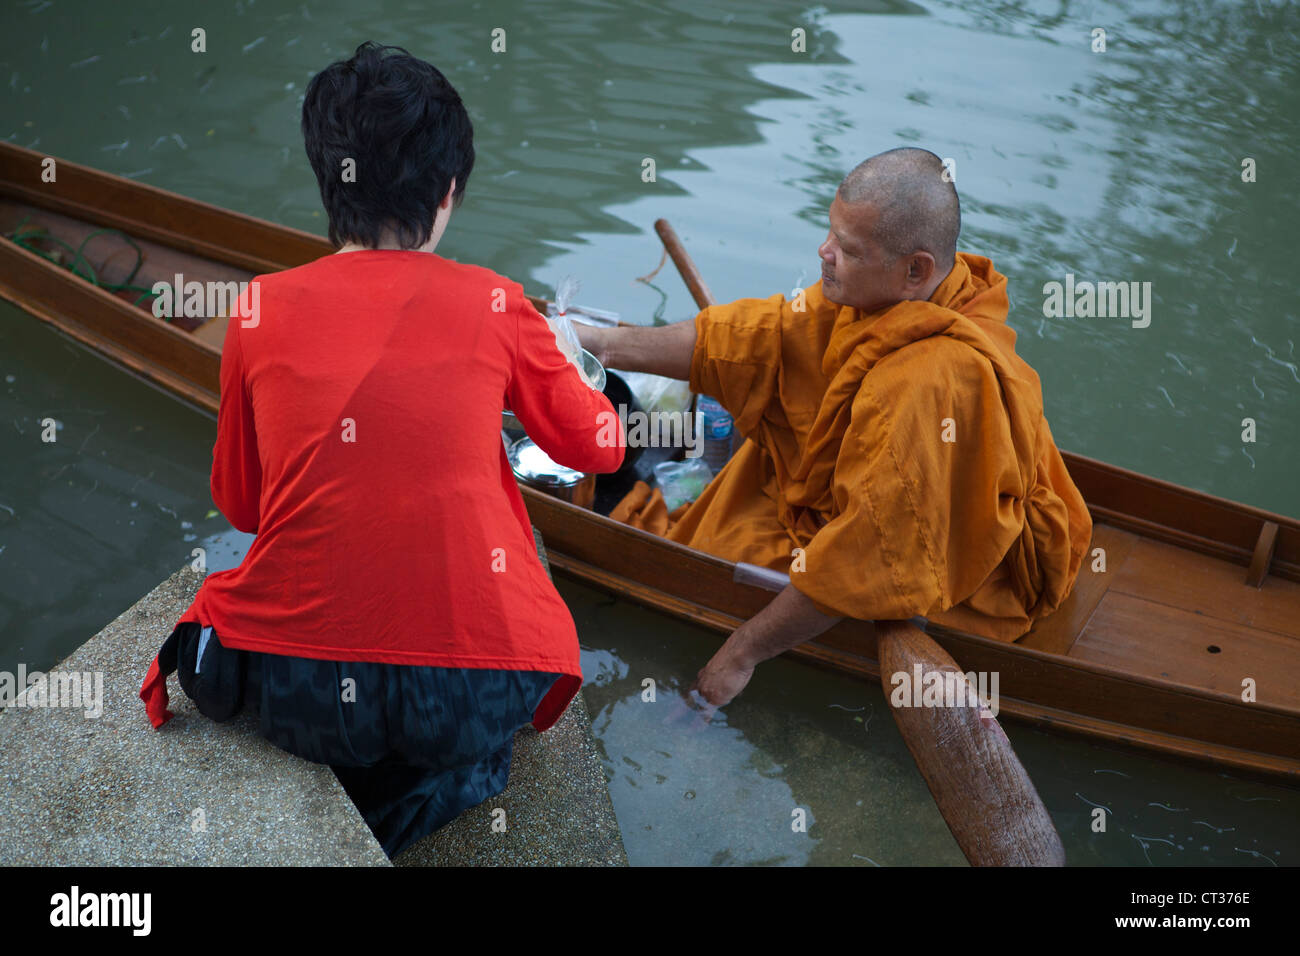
(658,393)
(682,481)
(566,336)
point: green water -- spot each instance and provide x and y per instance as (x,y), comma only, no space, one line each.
(97,517)
(803,738)
(1115,166)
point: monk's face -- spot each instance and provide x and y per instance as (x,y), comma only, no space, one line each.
(857,271)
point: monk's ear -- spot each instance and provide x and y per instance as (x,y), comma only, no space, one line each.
(920,269)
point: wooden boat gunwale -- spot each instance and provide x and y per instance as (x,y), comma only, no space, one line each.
(1226,728)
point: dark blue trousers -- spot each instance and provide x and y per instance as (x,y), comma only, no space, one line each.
(414,747)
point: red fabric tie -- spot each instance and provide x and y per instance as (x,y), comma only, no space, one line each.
(154,694)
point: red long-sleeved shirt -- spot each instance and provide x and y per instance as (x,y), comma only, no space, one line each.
(359,437)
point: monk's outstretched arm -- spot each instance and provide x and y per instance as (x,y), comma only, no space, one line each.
(659,350)
(788,621)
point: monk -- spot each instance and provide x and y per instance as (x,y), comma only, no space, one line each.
(897,460)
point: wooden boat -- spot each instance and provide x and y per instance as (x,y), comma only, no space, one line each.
(1199,593)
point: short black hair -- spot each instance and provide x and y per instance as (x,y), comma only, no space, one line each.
(408,132)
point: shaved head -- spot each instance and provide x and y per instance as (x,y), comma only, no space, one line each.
(917,206)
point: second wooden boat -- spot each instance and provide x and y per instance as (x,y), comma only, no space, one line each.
(1199,604)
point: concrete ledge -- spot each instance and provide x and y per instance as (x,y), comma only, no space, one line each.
(112,791)
(558,810)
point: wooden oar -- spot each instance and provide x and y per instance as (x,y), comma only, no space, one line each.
(974,775)
(685,265)
(980,786)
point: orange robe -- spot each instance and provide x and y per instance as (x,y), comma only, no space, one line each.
(896,463)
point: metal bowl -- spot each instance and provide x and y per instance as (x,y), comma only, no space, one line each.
(536,469)
(594,371)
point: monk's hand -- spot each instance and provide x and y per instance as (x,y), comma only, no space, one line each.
(690,712)
(723,678)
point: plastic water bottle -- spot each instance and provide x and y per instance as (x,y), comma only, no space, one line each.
(719,430)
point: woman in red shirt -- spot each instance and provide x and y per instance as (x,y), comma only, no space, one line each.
(395,619)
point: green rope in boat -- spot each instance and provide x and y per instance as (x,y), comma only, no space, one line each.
(33,238)
(658,317)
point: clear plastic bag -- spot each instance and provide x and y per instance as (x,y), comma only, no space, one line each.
(566,336)
(682,481)
(657,393)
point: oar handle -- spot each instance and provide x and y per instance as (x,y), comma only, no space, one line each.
(685,265)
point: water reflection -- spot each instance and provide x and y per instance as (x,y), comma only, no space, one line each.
(727,792)
(93,520)
(699,795)
(799,737)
